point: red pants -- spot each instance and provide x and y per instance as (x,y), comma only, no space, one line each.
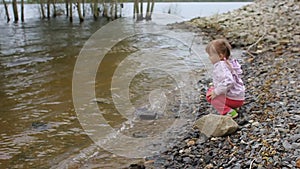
(223,104)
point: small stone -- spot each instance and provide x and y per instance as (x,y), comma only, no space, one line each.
(136,166)
(297,117)
(191,143)
(296,145)
(295,49)
(209,166)
(149,162)
(284,41)
(237,166)
(256,145)
(263,131)
(295,137)
(256,124)
(292,125)
(187,151)
(260,167)
(187,160)
(139,135)
(298,163)
(214,139)
(258,160)
(286,145)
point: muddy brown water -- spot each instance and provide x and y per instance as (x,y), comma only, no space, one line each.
(39,125)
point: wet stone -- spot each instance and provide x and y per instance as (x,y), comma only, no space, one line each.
(40,126)
(139,135)
(145,113)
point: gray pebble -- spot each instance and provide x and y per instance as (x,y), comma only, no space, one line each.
(296,145)
(237,166)
(286,145)
(295,137)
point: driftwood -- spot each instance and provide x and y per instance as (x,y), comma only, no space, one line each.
(251,46)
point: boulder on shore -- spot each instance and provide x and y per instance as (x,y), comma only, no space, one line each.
(216,125)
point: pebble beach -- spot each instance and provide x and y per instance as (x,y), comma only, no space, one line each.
(269,122)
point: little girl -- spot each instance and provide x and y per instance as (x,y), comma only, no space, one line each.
(228,91)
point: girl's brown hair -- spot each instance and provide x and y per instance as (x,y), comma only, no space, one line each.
(220,46)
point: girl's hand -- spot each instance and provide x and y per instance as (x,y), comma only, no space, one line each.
(212,95)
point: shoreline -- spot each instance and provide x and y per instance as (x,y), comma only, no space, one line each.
(269,133)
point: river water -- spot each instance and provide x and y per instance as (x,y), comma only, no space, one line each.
(149,69)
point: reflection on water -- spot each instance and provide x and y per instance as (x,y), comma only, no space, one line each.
(157,75)
(39,127)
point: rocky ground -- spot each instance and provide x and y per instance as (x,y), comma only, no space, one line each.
(269,132)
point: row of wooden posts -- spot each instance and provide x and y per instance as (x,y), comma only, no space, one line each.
(111,10)
(138,12)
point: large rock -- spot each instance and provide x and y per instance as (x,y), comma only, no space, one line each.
(216,125)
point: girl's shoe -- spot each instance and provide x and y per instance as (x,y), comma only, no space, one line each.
(232,113)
